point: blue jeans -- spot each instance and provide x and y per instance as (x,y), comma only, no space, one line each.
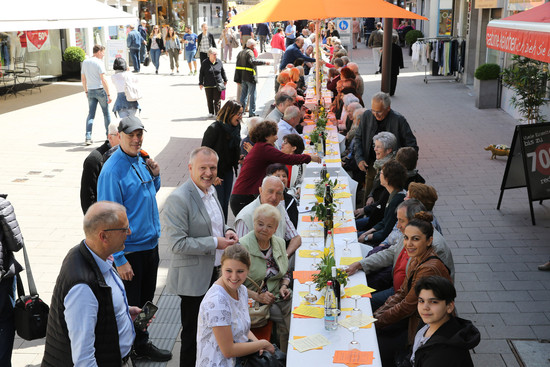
(249,89)
(224,191)
(134,55)
(96,96)
(7,325)
(155,57)
(379,298)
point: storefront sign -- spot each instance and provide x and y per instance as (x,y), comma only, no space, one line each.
(531,44)
(488,4)
(38,41)
(521,5)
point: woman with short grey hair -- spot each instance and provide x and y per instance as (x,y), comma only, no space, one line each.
(213,79)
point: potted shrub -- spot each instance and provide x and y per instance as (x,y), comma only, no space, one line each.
(527,78)
(486,85)
(72,61)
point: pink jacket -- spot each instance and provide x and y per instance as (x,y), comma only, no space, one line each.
(278,41)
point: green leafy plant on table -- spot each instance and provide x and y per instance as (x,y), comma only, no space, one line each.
(325,270)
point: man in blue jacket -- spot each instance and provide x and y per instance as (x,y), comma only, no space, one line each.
(142,29)
(131,178)
(134,42)
(294,52)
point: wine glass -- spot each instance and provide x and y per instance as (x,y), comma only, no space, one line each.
(314,253)
(356,311)
(337,173)
(310,297)
(313,244)
(354,344)
(347,251)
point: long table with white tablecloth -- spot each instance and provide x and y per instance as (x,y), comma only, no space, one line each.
(345,230)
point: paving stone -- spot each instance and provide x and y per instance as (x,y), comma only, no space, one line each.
(480,259)
(473,296)
(497,346)
(466,251)
(472,243)
(492,307)
(499,296)
(483,286)
(533,275)
(504,267)
(541,331)
(540,306)
(525,318)
(468,268)
(517,285)
(541,295)
(500,275)
(465,277)
(507,332)
(493,360)
(510,360)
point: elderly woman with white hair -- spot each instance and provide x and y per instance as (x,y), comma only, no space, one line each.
(343,123)
(269,269)
(213,79)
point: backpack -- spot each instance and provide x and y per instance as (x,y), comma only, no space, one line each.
(131,89)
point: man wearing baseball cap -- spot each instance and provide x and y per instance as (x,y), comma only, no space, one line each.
(130,177)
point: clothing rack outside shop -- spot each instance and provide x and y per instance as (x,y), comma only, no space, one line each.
(445,59)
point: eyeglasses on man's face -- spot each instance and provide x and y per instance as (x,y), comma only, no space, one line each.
(125,229)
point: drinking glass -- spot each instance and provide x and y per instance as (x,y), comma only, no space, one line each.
(356,311)
(354,344)
(310,297)
(314,254)
(347,251)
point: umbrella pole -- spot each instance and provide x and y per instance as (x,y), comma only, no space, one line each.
(386,55)
(318,69)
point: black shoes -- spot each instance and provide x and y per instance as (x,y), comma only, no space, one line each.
(152,353)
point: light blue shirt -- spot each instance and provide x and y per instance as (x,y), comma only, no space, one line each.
(92,68)
(81,308)
(284,129)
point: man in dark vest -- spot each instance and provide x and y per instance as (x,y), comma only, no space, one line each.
(90,322)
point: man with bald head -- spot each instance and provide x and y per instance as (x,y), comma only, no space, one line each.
(195,230)
(271,192)
(90,322)
(358,78)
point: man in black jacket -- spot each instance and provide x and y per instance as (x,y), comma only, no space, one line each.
(246,75)
(92,167)
(90,321)
(10,241)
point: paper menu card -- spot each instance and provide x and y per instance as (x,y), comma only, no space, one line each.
(356,321)
(310,253)
(309,311)
(352,357)
(314,341)
(340,195)
(349,260)
(359,290)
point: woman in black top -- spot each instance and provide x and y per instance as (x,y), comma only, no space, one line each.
(332,31)
(212,78)
(224,136)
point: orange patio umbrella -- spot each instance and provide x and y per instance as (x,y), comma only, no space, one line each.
(280,10)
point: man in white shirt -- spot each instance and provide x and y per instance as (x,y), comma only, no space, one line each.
(287,125)
(195,230)
(96,89)
(271,192)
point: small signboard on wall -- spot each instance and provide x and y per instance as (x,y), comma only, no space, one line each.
(115,48)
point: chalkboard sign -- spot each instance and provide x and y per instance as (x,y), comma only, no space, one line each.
(528,164)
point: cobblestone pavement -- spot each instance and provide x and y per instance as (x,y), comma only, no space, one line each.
(496,251)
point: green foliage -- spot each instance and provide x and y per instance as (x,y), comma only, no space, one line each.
(412,36)
(527,78)
(74,54)
(487,72)
(319,211)
(325,270)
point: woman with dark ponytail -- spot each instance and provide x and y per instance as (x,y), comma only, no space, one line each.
(397,318)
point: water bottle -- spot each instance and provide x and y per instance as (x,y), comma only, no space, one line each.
(331,308)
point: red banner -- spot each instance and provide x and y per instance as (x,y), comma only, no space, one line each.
(531,44)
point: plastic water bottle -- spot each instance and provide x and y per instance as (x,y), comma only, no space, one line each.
(331,308)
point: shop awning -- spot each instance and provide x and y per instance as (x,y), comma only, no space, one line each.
(30,15)
(526,33)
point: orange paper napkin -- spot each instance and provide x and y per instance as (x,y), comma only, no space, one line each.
(344,230)
(304,275)
(307,218)
(352,357)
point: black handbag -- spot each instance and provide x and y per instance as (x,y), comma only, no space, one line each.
(220,86)
(277,359)
(30,312)
(147,60)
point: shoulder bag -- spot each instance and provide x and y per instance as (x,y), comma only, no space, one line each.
(30,312)
(147,60)
(235,40)
(277,359)
(258,314)
(131,89)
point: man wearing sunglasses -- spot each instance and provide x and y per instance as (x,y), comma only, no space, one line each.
(131,178)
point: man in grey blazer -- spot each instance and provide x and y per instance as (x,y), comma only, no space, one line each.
(195,229)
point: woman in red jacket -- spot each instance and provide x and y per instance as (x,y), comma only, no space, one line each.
(262,154)
(277,48)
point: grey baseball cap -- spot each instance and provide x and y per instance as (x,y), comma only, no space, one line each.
(129,124)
